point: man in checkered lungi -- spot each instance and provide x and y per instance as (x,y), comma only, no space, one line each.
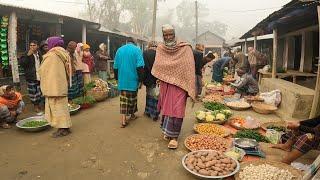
(30,62)
(129,72)
(303,137)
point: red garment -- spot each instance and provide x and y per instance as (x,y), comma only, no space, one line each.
(12,104)
(172,100)
(89,61)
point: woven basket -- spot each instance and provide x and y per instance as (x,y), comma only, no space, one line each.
(226,130)
(294,172)
(263,108)
(98,95)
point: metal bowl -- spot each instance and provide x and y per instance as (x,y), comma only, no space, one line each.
(32,129)
(245,143)
(75,110)
(209,177)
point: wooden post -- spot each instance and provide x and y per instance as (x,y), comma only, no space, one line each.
(154,19)
(12,37)
(255,42)
(316,96)
(286,53)
(109,45)
(275,48)
(245,46)
(84,33)
(303,51)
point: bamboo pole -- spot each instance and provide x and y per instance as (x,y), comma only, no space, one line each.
(275,48)
(316,96)
(12,33)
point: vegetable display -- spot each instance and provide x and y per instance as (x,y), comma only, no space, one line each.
(218,115)
(211,129)
(34,124)
(277,128)
(264,171)
(235,153)
(84,100)
(210,163)
(206,142)
(251,134)
(213,106)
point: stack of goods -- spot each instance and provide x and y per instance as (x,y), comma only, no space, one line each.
(113,91)
(99,90)
(219,89)
(3,42)
(217,116)
(206,142)
(211,129)
(210,164)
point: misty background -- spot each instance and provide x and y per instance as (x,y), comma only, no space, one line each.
(227,18)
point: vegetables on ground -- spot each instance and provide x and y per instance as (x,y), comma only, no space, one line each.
(34,124)
(214,106)
(264,171)
(212,129)
(251,134)
(207,142)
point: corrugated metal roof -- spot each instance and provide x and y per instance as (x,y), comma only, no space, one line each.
(262,27)
(49,13)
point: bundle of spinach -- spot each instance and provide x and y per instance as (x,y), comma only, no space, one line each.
(251,134)
(213,106)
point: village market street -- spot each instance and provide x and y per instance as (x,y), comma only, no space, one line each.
(99,149)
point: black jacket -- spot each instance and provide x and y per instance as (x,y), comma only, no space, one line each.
(149,58)
(198,60)
(28,65)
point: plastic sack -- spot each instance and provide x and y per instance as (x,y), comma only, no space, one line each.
(273,136)
(154,92)
(272,97)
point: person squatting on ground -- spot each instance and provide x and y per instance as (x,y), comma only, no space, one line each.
(55,76)
(11,106)
(128,67)
(303,137)
(174,66)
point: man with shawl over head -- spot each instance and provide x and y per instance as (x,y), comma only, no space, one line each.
(55,75)
(174,67)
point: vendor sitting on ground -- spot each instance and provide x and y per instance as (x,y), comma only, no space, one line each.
(247,85)
(11,105)
(305,136)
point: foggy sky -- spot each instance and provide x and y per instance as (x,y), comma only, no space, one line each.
(239,15)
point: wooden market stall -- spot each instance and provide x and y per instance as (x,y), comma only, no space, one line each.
(296,50)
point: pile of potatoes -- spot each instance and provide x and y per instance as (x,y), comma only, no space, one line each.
(207,142)
(210,163)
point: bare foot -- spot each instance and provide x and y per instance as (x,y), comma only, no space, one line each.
(282,147)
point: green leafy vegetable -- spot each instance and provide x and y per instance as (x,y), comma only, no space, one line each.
(213,106)
(34,123)
(277,128)
(251,134)
(84,100)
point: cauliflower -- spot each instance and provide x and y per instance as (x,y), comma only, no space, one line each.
(208,113)
(220,117)
(227,112)
(201,115)
(209,118)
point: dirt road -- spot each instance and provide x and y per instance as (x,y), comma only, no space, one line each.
(97,148)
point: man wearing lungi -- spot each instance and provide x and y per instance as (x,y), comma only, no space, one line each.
(175,68)
(128,68)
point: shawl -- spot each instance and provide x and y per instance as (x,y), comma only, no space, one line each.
(55,71)
(176,66)
(11,103)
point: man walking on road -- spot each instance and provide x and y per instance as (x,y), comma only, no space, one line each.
(175,68)
(128,68)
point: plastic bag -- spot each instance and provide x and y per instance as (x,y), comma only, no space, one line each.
(273,136)
(155,91)
(272,98)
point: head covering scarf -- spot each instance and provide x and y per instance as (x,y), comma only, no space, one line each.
(85,46)
(72,45)
(167,27)
(3,90)
(102,46)
(55,42)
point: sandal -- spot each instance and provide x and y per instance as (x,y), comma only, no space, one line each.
(133,117)
(123,125)
(173,144)
(166,138)
(6,126)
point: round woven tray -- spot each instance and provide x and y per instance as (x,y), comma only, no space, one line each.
(226,130)
(98,95)
(294,172)
(263,108)
(229,144)
(237,108)
(265,125)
